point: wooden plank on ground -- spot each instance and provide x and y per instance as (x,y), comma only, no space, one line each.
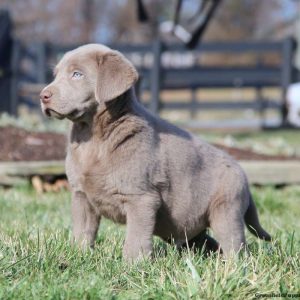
(258,172)
(272,172)
(12,180)
(27,168)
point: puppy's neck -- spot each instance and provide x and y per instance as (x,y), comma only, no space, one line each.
(114,113)
(114,109)
(107,117)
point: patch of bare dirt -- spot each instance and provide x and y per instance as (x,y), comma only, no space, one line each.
(244,154)
(17,144)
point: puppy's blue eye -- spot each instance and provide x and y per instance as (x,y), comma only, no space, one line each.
(77,75)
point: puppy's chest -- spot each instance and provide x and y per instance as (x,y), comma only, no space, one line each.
(104,181)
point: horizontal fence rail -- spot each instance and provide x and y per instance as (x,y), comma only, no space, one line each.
(173,67)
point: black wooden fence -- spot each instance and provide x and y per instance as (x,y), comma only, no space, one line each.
(5,57)
(157,77)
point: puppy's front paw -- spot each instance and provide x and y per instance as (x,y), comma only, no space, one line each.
(133,254)
(83,243)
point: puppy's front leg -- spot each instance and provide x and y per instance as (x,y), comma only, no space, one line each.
(140,222)
(85,220)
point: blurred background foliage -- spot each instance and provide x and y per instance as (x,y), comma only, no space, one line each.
(81,21)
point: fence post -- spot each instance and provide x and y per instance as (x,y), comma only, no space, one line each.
(156,77)
(138,88)
(41,63)
(14,81)
(193,108)
(287,74)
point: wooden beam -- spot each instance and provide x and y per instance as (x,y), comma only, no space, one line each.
(272,172)
(13,180)
(27,168)
(258,172)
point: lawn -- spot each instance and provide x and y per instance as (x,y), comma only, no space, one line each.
(37,260)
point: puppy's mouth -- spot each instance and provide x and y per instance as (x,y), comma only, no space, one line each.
(73,115)
(52,113)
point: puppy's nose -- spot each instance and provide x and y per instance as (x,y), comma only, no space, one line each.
(45,96)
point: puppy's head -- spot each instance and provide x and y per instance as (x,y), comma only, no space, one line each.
(84,78)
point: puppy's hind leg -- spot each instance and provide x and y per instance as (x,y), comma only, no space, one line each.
(228,226)
(202,242)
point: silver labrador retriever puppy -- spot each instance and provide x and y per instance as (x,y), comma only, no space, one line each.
(127,165)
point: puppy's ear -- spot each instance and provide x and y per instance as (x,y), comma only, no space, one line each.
(115,76)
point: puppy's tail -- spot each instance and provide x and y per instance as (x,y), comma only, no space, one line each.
(252,222)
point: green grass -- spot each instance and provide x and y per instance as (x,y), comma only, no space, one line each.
(37,260)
